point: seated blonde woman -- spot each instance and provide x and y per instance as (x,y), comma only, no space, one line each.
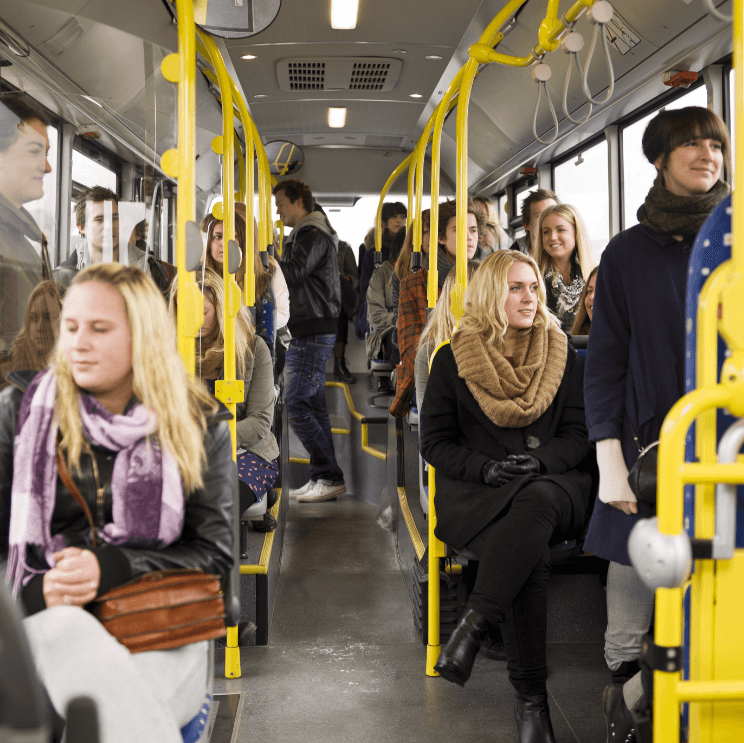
(503,424)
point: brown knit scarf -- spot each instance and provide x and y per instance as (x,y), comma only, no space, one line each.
(513,396)
(665,212)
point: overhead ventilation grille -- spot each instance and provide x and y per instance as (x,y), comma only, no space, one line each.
(369,75)
(363,74)
(306,75)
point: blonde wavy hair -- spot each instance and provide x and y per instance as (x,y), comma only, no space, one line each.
(213,345)
(486,295)
(159,381)
(582,251)
(441,323)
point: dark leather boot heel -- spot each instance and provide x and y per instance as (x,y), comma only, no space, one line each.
(456,660)
(533,719)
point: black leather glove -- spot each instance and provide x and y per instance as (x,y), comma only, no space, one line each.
(499,473)
(521,464)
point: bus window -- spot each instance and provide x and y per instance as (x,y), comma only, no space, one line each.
(582,182)
(638,174)
(88,173)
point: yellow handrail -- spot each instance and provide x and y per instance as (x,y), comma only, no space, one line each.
(394,177)
(491,36)
(179,163)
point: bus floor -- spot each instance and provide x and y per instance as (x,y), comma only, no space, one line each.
(345,662)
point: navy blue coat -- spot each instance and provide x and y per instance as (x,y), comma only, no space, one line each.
(635,359)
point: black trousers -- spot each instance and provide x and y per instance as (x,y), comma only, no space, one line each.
(511,588)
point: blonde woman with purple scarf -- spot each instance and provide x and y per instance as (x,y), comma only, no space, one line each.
(150,451)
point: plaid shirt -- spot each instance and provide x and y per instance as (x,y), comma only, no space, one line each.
(411,322)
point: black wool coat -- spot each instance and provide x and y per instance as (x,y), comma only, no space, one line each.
(458,439)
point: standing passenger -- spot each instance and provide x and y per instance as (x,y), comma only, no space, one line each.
(503,423)
(565,260)
(310,267)
(635,364)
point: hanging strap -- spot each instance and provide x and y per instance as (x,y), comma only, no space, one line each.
(76,494)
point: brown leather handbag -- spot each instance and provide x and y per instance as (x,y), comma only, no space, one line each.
(160,610)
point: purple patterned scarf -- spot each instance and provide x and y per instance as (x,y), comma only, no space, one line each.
(147,495)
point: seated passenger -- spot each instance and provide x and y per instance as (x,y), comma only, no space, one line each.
(274,291)
(393,219)
(265,299)
(532,207)
(583,320)
(565,260)
(380,307)
(494,237)
(413,296)
(503,424)
(403,267)
(258,452)
(97,220)
(438,329)
(349,278)
(119,408)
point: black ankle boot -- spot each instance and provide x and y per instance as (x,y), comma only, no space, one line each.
(533,719)
(620,724)
(456,660)
(341,371)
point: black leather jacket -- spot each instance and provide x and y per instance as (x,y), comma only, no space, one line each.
(206,541)
(310,268)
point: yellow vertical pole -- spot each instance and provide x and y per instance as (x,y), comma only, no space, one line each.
(179,163)
(411,188)
(240,195)
(249,286)
(432,293)
(228,390)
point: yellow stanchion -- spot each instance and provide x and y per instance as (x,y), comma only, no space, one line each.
(179,163)
(228,390)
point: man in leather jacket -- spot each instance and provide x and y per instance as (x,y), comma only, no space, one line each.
(310,268)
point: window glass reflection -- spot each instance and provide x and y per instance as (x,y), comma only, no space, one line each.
(29,303)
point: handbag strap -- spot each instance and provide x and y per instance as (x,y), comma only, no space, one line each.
(69,483)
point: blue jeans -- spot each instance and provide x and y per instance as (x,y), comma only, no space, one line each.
(304,374)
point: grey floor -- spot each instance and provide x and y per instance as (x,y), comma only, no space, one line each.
(344,661)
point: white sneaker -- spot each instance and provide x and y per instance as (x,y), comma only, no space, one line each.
(304,489)
(323,490)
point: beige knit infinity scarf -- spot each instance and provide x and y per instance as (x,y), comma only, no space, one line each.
(513,396)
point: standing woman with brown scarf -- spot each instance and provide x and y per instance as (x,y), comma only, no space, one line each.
(635,364)
(503,423)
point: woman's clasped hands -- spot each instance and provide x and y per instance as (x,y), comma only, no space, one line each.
(499,473)
(74,580)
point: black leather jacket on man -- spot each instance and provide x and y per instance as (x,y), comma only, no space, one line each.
(310,269)
(206,541)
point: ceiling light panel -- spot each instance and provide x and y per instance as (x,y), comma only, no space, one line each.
(344,13)
(336,117)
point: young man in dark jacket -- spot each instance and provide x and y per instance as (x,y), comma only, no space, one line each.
(310,269)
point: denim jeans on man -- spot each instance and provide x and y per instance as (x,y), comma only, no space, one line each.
(304,374)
